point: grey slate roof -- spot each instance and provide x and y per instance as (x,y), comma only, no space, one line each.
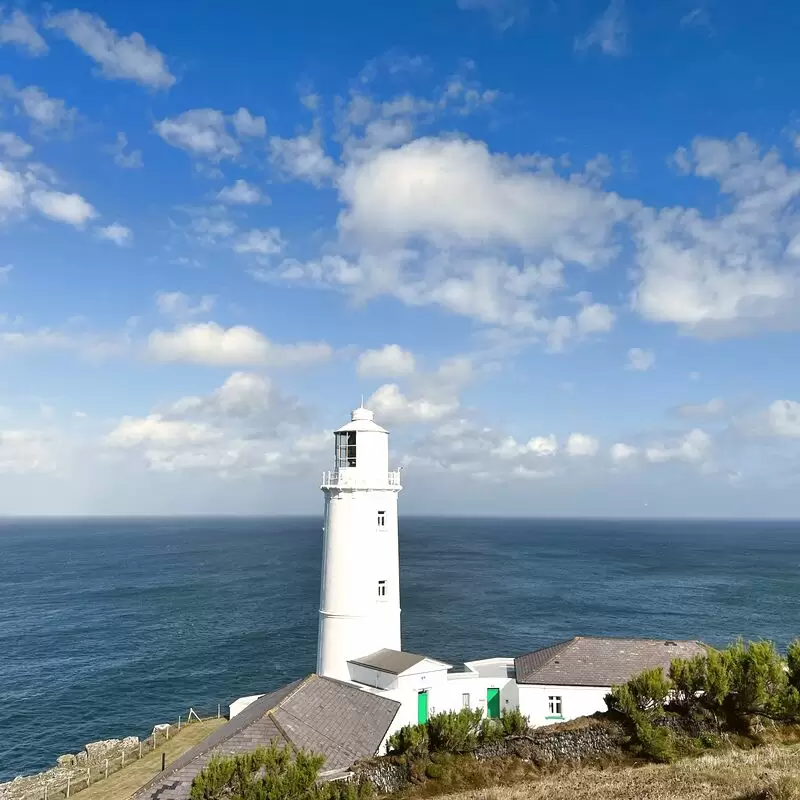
(395,662)
(328,717)
(590,661)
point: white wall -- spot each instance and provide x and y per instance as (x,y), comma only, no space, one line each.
(576,701)
(372,677)
(237,706)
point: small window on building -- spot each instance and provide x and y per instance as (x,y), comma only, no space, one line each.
(554,706)
(381,519)
(345,449)
(465,700)
(381,588)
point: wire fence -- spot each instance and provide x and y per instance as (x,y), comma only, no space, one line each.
(83,775)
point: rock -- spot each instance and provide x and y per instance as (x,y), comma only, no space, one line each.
(97,751)
(81,758)
(67,760)
(129,742)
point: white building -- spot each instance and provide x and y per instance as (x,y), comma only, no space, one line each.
(359,616)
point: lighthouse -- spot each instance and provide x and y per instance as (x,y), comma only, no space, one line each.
(359,609)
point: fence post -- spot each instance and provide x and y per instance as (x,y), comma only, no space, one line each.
(106,768)
(69,777)
(88,776)
(140,748)
(179,722)
(123,760)
(167,732)
(219,710)
(163,761)
(154,740)
(45,792)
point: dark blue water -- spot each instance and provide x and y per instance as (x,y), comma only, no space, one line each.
(109,626)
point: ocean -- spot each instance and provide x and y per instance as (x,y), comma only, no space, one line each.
(109,626)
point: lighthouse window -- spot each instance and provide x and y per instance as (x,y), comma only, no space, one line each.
(381,519)
(345,449)
(381,588)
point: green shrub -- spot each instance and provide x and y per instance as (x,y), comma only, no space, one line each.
(411,740)
(267,772)
(454,731)
(655,742)
(434,771)
(514,722)
(491,731)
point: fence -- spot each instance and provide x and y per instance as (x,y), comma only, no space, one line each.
(82,776)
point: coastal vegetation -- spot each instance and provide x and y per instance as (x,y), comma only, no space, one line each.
(725,724)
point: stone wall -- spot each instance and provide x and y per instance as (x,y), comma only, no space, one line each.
(572,742)
(73,766)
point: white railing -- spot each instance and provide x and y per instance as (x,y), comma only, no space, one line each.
(334,478)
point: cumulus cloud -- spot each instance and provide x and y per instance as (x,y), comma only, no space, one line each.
(782,419)
(210,344)
(180,305)
(261,242)
(248,125)
(302,158)
(582,445)
(119,57)
(391,405)
(201,132)
(640,360)
(63,207)
(47,113)
(17,29)
(119,234)
(14,146)
(391,361)
(122,157)
(241,193)
(25,451)
(620,452)
(693,446)
(728,274)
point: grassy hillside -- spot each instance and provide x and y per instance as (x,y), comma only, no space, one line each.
(765,773)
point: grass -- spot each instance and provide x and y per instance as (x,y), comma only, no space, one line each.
(123,783)
(771,772)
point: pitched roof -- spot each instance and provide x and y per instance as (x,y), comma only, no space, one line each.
(395,662)
(595,661)
(320,715)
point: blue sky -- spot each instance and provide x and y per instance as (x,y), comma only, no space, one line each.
(555,246)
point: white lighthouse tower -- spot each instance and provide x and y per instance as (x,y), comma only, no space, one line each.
(359,610)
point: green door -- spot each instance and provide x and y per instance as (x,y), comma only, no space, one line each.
(493,703)
(422,707)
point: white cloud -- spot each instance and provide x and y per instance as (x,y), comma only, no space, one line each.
(581,445)
(248,125)
(154,429)
(48,113)
(262,242)
(728,274)
(201,132)
(26,451)
(783,419)
(210,344)
(595,318)
(390,361)
(712,408)
(391,405)
(455,192)
(119,57)
(694,446)
(640,360)
(130,160)
(63,207)
(609,31)
(17,29)
(622,452)
(116,233)
(13,146)
(241,193)
(302,158)
(179,305)
(509,448)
